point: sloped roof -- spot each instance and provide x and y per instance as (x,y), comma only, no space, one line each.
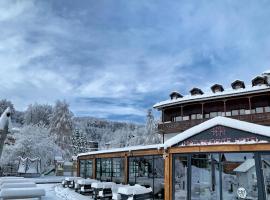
(245,166)
(223,121)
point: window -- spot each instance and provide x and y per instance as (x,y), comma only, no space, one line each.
(267,109)
(179,118)
(199,116)
(185,118)
(98,168)
(253,111)
(213,114)
(229,113)
(106,169)
(235,112)
(259,110)
(193,116)
(242,111)
(247,112)
(206,116)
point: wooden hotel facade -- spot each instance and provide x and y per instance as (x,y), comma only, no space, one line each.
(216,145)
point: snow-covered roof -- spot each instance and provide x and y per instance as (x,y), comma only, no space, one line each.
(208,95)
(223,121)
(245,166)
(266,72)
(131,148)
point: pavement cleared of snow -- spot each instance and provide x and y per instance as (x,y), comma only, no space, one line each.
(69,194)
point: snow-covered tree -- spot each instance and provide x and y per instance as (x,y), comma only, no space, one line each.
(152,136)
(38,114)
(61,125)
(4,104)
(32,141)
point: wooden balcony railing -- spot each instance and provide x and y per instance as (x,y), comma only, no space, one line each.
(180,126)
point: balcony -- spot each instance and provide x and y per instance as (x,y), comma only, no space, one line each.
(180,126)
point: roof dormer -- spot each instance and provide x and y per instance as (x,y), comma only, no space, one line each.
(196,91)
(259,80)
(175,95)
(217,88)
(238,84)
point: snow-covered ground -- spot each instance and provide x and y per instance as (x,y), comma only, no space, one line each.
(68,194)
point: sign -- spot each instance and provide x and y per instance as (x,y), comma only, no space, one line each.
(224,135)
(242,193)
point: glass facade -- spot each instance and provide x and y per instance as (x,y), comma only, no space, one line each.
(149,172)
(86,168)
(110,169)
(221,176)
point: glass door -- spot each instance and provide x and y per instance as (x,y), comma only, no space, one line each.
(205,177)
(265,166)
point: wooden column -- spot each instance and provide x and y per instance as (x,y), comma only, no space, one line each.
(78,167)
(126,169)
(225,107)
(94,169)
(168,177)
(249,102)
(182,111)
(202,109)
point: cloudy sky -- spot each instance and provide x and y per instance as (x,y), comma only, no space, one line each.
(115,58)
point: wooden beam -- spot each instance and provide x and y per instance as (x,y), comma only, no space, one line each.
(221,148)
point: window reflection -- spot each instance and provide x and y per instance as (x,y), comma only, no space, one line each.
(149,172)
(180,177)
(204,177)
(239,172)
(265,162)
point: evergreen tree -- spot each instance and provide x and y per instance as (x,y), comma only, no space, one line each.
(4,104)
(152,136)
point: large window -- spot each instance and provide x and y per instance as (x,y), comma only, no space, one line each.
(110,169)
(148,171)
(106,169)
(86,168)
(216,176)
(180,177)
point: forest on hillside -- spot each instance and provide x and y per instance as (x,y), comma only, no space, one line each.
(46,131)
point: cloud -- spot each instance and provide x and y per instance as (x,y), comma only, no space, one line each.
(116,59)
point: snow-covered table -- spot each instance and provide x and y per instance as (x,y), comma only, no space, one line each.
(70,181)
(132,192)
(84,185)
(100,186)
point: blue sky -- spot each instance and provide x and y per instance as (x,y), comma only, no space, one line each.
(115,58)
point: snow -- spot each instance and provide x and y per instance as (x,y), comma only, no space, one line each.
(5,120)
(136,189)
(22,192)
(245,166)
(223,121)
(86,181)
(131,148)
(103,184)
(19,185)
(68,194)
(205,96)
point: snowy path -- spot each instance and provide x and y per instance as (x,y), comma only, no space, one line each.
(69,194)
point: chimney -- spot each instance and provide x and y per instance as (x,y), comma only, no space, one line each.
(266,74)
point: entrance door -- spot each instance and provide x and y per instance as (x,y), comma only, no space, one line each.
(265,166)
